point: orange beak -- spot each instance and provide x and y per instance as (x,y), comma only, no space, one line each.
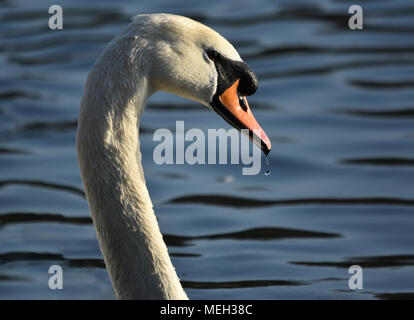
(237,112)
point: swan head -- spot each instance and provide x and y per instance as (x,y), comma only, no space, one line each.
(193,61)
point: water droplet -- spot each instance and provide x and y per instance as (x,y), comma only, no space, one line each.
(267,172)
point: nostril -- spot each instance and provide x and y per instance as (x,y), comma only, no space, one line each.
(242,102)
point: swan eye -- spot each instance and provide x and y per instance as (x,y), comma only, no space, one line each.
(213,55)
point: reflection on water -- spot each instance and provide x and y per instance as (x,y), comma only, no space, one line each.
(336,104)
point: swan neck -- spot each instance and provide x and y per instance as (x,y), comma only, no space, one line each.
(135,254)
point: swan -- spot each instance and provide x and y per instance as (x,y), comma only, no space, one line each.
(156,52)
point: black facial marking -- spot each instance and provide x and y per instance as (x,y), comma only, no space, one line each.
(213,55)
(229,71)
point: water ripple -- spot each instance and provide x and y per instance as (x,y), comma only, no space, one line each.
(395,296)
(393,162)
(42,184)
(240,284)
(317,50)
(335,67)
(393,113)
(260,233)
(13,151)
(9,257)
(372,84)
(238,202)
(30,217)
(365,262)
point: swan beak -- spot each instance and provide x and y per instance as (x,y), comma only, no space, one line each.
(236,111)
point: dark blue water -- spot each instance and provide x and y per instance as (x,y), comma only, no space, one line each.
(337,105)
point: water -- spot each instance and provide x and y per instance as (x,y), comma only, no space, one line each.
(336,104)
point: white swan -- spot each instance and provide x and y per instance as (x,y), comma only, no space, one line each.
(155,52)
